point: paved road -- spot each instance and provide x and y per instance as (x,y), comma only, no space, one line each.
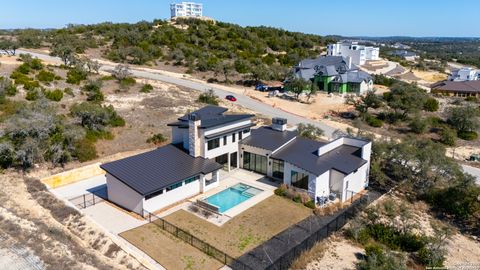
(244,101)
(473,171)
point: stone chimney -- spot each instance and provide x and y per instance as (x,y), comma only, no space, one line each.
(279,124)
(194,141)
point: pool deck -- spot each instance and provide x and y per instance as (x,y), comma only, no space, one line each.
(229,179)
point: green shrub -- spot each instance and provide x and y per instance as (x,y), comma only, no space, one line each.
(431,105)
(127,82)
(297,199)
(373,250)
(107,78)
(471,99)
(85,150)
(24,68)
(280,192)
(157,139)
(146,88)
(95,96)
(54,95)
(395,239)
(69,91)
(45,76)
(76,76)
(31,85)
(448,136)
(373,121)
(36,64)
(310,204)
(208,97)
(467,135)
(430,258)
(418,125)
(32,94)
(8,87)
(117,121)
(6,155)
(95,135)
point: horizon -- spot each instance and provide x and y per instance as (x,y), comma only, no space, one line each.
(373,18)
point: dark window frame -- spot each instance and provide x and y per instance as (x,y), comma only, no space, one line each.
(213,144)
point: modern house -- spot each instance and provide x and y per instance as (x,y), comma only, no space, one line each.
(407,55)
(209,140)
(186,9)
(464,74)
(359,53)
(334,74)
(457,88)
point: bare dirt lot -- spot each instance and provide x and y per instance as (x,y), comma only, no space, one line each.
(59,236)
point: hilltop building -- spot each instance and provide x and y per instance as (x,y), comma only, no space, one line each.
(359,53)
(186,9)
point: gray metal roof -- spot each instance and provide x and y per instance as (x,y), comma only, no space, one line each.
(302,153)
(206,112)
(211,116)
(154,170)
(326,65)
(268,138)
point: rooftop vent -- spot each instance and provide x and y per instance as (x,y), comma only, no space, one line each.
(193,117)
(279,124)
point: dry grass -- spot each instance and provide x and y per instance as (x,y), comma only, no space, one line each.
(247,230)
(170,252)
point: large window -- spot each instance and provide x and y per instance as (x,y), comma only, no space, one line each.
(240,135)
(277,168)
(299,180)
(214,143)
(233,137)
(255,162)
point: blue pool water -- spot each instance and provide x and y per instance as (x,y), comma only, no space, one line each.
(232,196)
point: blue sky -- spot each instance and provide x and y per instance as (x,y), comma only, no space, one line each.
(344,17)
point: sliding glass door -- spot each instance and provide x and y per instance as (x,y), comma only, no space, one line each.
(254,162)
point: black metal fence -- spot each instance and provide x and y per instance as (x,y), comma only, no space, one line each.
(282,250)
(195,242)
(86,200)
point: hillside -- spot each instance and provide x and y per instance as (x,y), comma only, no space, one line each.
(199,46)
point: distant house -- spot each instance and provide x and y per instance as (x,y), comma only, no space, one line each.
(457,88)
(334,74)
(186,9)
(359,53)
(407,55)
(464,74)
(208,140)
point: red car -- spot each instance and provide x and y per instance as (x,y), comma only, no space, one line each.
(231,98)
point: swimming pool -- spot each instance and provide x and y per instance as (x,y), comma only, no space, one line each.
(232,196)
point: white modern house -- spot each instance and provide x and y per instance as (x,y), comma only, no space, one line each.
(359,53)
(209,140)
(186,9)
(464,74)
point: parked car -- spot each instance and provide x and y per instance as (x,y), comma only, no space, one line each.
(231,98)
(261,87)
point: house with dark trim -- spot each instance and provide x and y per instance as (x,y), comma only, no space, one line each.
(209,140)
(334,74)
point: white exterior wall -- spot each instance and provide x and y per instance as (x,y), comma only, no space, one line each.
(366,86)
(358,53)
(322,185)
(123,195)
(186,9)
(231,147)
(336,182)
(356,182)
(172,196)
